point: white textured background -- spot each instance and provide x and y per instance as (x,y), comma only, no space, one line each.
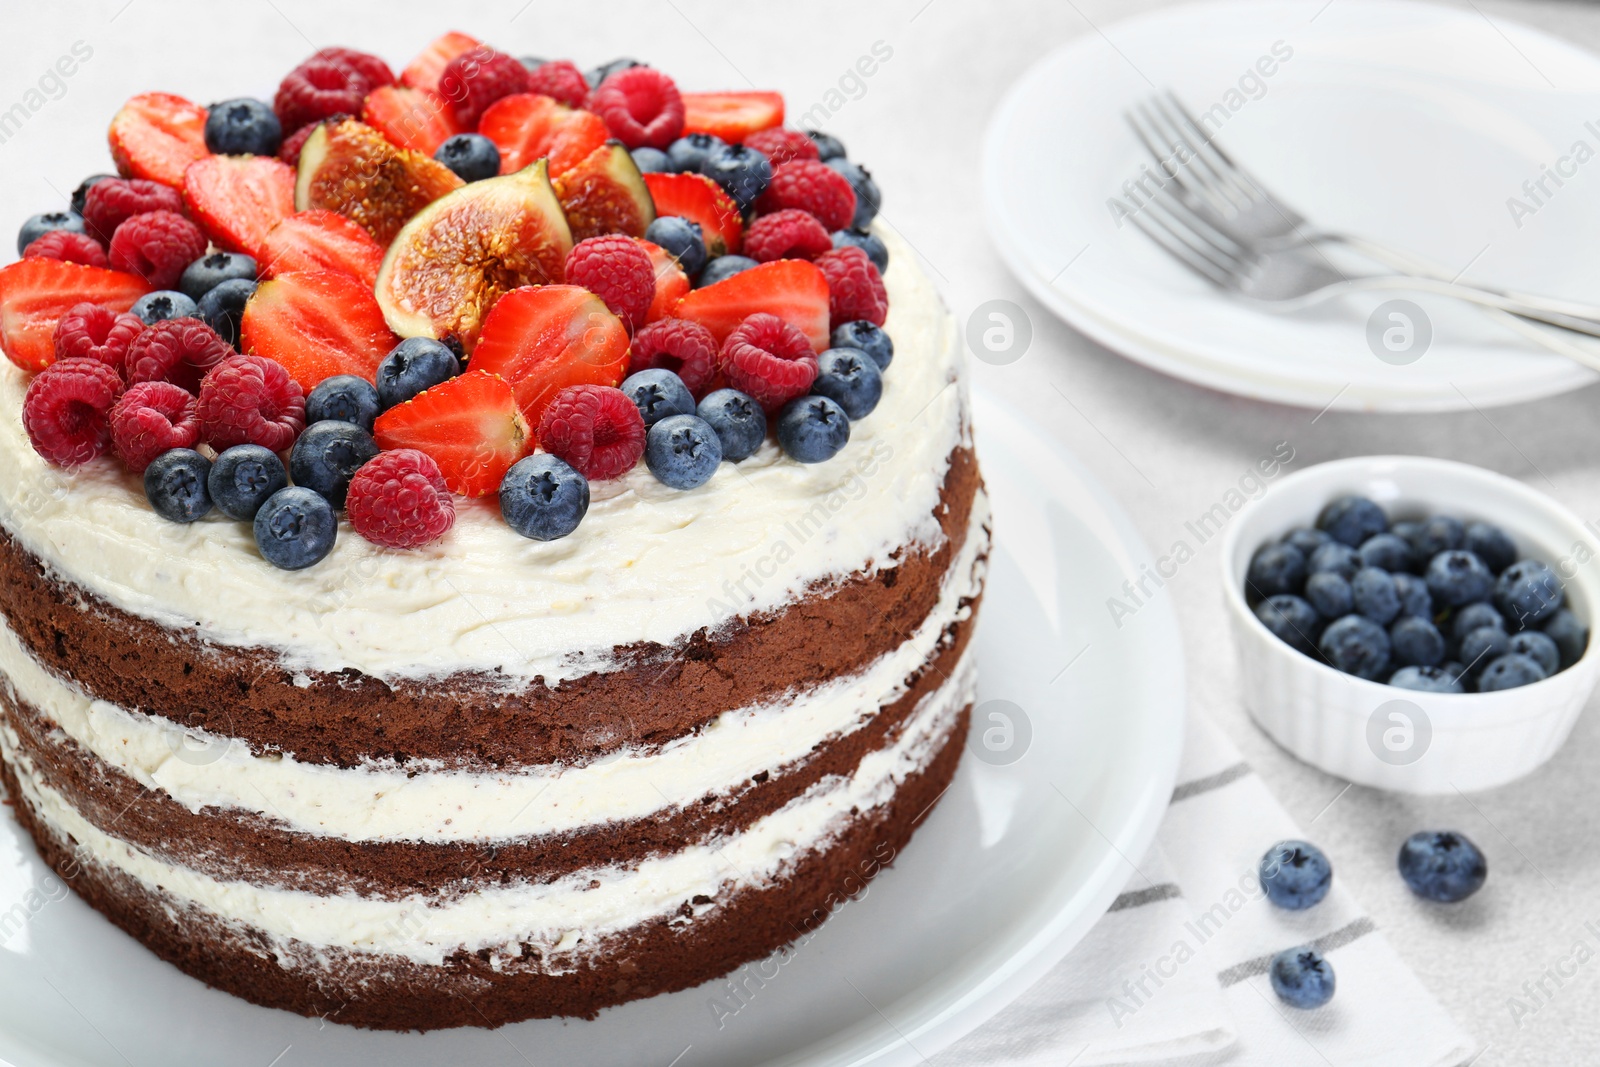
(1167,449)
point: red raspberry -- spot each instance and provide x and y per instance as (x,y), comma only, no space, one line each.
(814,187)
(686,348)
(641,107)
(150,418)
(157,246)
(474,80)
(595,428)
(66,410)
(782,145)
(250,400)
(98,333)
(855,288)
(333,81)
(560,79)
(618,271)
(68,246)
(399,500)
(769,359)
(109,203)
(787,234)
(364,64)
(180,351)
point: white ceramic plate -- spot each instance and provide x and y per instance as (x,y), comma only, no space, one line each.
(1012,868)
(1407,122)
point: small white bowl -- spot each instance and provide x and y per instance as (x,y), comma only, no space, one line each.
(1381,735)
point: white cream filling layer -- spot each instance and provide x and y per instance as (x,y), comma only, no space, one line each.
(565,918)
(384,803)
(648,564)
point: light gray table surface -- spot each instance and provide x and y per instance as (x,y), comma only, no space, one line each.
(1166,449)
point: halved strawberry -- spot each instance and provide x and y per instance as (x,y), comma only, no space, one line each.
(317,324)
(410,118)
(469,425)
(423,72)
(156,136)
(544,338)
(525,126)
(35,293)
(731,116)
(321,240)
(792,289)
(699,199)
(672,285)
(237,199)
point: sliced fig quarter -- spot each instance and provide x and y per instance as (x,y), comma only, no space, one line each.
(351,168)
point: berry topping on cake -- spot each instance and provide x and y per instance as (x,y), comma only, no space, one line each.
(67,410)
(238,199)
(658,394)
(415,364)
(815,188)
(163,304)
(787,234)
(738,420)
(37,226)
(333,81)
(792,289)
(180,351)
(243,477)
(344,398)
(250,400)
(327,456)
(769,359)
(641,106)
(543,498)
(617,270)
(350,168)
(476,79)
(850,378)
(156,136)
(423,72)
(295,528)
(472,157)
(157,246)
(542,339)
(150,418)
(530,126)
(701,201)
(415,119)
(110,203)
(67,246)
(782,146)
(595,428)
(685,348)
(560,80)
(743,173)
(813,429)
(682,451)
(671,283)
(97,332)
(35,293)
(399,500)
(470,425)
(867,336)
(732,116)
(855,289)
(210,271)
(317,324)
(175,485)
(321,240)
(243,126)
(605,194)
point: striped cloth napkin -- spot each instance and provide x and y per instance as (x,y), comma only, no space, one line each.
(1176,971)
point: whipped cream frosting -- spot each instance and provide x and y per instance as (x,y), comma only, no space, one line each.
(648,564)
(566,918)
(382,802)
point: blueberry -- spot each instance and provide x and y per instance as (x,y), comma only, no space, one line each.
(868,198)
(870,243)
(738,420)
(328,455)
(651,160)
(1439,534)
(1452,670)
(1511,671)
(743,172)
(723,268)
(682,451)
(1356,645)
(689,152)
(1416,642)
(161,305)
(1414,596)
(222,307)
(1481,646)
(850,378)
(1408,530)
(243,127)
(869,338)
(80,195)
(1427,680)
(1527,593)
(605,70)
(682,240)
(1295,875)
(1375,595)
(1330,594)
(1442,865)
(1350,520)
(243,477)
(472,156)
(658,394)
(1306,539)
(1338,558)
(1387,552)
(210,271)
(39,225)
(1274,569)
(1492,545)
(1291,620)
(543,498)
(295,528)
(1302,977)
(812,429)
(1457,577)
(415,364)
(1469,618)
(175,483)
(1570,635)
(343,398)
(828,146)
(1539,648)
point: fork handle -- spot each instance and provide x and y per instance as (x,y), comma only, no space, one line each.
(1481,297)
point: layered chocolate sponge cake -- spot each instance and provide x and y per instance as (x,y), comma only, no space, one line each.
(488,753)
